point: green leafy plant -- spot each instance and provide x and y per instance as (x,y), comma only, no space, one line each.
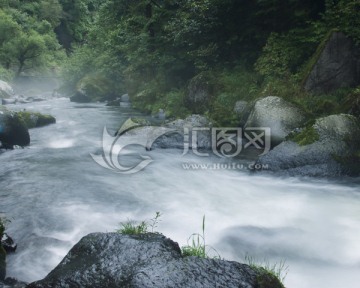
(132,228)
(154,222)
(197,245)
(267,272)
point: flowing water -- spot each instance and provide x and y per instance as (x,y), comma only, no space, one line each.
(54,193)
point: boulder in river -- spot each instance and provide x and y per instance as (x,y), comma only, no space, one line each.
(171,134)
(279,115)
(13,130)
(125,98)
(80,97)
(105,260)
(328,148)
(8,243)
(195,125)
(6,90)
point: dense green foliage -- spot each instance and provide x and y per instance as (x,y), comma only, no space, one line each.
(28,42)
(152,49)
(34,33)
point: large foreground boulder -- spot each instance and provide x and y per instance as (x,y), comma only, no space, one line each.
(281,116)
(106,260)
(13,130)
(330,147)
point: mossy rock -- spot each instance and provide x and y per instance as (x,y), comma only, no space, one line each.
(35,120)
(266,279)
(13,130)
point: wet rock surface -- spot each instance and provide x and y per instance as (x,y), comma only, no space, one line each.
(145,260)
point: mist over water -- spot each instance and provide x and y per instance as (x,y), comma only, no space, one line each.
(54,194)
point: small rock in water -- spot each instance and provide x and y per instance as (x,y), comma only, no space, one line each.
(125,98)
(8,243)
(161,114)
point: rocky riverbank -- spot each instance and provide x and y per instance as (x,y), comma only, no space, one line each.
(14,125)
(325,147)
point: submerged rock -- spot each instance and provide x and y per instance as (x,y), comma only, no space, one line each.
(280,116)
(329,147)
(8,101)
(105,260)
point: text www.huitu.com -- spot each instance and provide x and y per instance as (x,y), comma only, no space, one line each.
(224,166)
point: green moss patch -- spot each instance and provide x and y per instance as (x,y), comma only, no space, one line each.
(306,136)
(34,119)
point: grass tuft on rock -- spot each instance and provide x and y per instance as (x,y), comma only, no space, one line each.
(268,275)
(132,228)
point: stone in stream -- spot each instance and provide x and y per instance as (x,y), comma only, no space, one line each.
(8,243)
(173,136)
(104,260)
(6,91)
(80,97)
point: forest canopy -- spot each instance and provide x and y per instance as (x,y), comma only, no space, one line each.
(152,49)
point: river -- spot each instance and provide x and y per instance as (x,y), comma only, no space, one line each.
(54,193)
